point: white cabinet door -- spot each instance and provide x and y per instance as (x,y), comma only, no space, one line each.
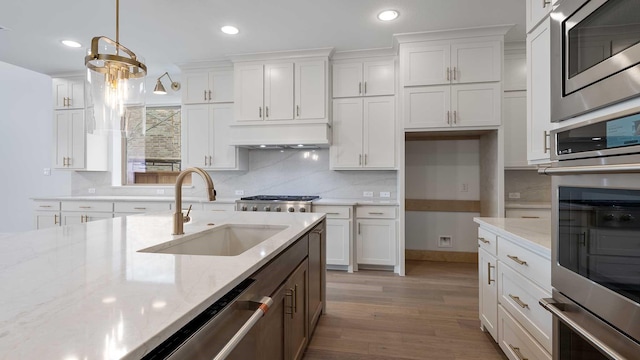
(224,155)
(475,104)
(338,241)
(46,219)
(278,91)
(488,290)
(207,86)
(473,62)
(514,115)
(73,218)
(249,92)
(346,148)
(196,134)
(310,90)
(426,65)
(347,79)
(69,139)
(379,132)
(379,78)
(538,94)
(536,11)
(427,107)
(376,242)
(68,93)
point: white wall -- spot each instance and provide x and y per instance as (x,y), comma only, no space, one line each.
(26,143)
(437,170)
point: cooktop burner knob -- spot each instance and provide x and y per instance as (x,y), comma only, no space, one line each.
(244,207)
(303,209)
(254,208)
(266,208)
(291,209)
(627,217)
(278,209)
(609,217)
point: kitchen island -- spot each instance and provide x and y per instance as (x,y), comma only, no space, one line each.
(87,292)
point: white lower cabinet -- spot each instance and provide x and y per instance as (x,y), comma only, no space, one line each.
(125,208)
(47,214)
(72,218)
(376,235)
(79,212)
(510,285)
(339,244)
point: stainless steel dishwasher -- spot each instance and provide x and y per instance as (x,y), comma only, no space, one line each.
(215,333)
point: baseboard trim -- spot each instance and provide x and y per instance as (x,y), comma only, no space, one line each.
(446,256)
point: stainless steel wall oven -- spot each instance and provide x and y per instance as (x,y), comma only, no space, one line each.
(595,55)
(596,238)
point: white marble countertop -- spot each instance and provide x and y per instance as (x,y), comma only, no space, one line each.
(85,292)
(534,234)
(355,202)
(527,205)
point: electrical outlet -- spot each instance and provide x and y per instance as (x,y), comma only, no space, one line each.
(92,190)
(514,195)
(464,187)
(239,192)
(46,171)
(445,242)
(385,194)
(159,191)
(367,194)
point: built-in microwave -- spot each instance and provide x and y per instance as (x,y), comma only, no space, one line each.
(595,55)
(595,237)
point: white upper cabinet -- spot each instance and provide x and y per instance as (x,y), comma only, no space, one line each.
(469,105)
(68,93)
(281,91)
(363,133)
(514,115)
(69,139)
(363,78)
(538,94)
(202,86)
(536,11)
(205,138)
(451,63)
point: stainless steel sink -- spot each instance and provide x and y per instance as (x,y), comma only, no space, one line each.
(226,240)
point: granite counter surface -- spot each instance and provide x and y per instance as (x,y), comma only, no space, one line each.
(86,292)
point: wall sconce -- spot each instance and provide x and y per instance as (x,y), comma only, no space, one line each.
(160,90)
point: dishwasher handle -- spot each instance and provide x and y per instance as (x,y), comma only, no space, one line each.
(262,309)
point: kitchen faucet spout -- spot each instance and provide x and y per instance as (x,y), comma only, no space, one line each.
(178,219)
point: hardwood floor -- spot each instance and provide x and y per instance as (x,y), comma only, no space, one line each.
(431,313)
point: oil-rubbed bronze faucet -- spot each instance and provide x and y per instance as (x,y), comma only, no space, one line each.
(178,219)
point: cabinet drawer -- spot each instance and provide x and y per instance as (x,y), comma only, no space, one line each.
(515,341)
(376,212)
(519,297)
(140,206)
(487,241)
(219,207)
(526,262)
(46,206)
(334,212)
(87,206)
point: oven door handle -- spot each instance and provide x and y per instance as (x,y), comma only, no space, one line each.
(555,308)
(596,169)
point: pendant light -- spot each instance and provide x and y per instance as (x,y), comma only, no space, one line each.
(116,79)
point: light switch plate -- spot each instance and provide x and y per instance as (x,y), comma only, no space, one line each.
(92,190)
(367,194)
(385,194)
(514,195)
(46,171)
(159,191)
(239,192)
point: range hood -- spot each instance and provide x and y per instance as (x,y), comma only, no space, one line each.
(281,135)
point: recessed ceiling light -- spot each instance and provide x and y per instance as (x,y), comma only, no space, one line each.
(231,30)
(388,15)
(71,43)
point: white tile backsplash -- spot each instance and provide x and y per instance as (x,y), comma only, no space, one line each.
(271,172)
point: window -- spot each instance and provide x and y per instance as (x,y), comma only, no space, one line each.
(152,146)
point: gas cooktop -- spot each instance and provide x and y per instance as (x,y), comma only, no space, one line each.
(280,198)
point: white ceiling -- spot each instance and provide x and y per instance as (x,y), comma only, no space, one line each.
(170,32)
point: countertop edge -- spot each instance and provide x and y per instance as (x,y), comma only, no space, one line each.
(524,242)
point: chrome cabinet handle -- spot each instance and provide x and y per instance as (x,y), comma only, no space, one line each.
(455,70)
(260,112)
(266,111)
(210,160)
(516,350)
(455,116)
(365,87)
(489,267)
(546,143)
(518,301)
(297,110)
(448,117)
(295,298)
(360,159)
(365,159)
(140,208)
(205,160)
(291,293)
(84,207)
(360,88)
(515,258)
(209,94)
(45,206)
(262,309)
(69,161)
(375,213)
(55,219)
(69,102)
(205,95)
(484,240)
(358,228)
(545,3)
(448,76)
